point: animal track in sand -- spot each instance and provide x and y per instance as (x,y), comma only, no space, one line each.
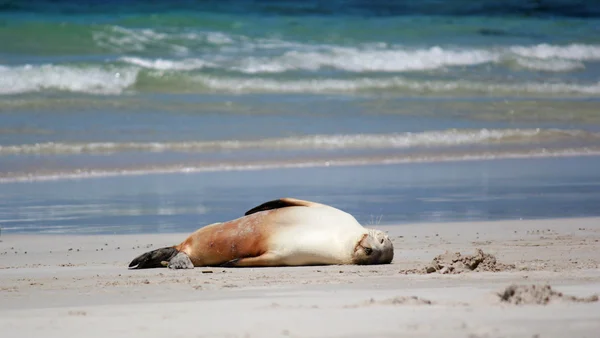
(402,300)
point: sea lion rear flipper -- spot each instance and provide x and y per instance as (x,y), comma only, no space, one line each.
(154,258)
(282,203)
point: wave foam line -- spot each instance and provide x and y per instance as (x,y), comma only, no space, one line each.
(445,138)
(124,39)
(357,60)
(165,64)
(316,86)
(117,79)
(224,167)
(386,59)
(93,80)
(578,52)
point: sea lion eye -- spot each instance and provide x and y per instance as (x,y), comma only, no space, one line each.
(368,251)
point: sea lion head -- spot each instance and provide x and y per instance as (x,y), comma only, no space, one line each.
(374,247)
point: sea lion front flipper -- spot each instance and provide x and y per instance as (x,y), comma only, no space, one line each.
(180,261)
(282,203)
(266,259)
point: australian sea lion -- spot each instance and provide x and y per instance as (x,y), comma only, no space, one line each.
(281,232)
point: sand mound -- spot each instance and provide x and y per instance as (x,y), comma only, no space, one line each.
(455,263)
(538,294)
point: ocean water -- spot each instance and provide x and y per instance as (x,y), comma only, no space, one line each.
(111,110)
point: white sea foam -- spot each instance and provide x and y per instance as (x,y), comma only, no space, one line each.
(247,54)
(121,39)
(260,71)
(125,39)
(345,59)
(242,85)
(551,65)
(402,59)
(95,80)
(163,64)
(116,79)
(217,38)
(444,138)
(569,52)
(358,60)
(303,163)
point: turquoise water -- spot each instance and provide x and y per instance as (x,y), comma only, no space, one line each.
(145,93)
(194,52)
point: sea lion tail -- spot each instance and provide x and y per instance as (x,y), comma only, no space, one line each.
(154,258)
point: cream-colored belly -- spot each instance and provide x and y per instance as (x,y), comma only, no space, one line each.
(315,235)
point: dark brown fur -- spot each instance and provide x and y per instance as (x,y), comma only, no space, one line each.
(281,203)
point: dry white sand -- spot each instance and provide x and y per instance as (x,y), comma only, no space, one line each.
(79,286)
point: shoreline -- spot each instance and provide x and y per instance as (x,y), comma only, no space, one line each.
(393,226)
(67,291)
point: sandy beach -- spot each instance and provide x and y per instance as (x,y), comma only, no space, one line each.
(73,286)
(468,130)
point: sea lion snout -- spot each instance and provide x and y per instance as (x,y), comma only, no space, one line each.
(375,247)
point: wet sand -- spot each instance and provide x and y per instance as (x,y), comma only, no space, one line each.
(73,286)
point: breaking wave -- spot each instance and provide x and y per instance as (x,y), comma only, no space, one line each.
(394,84)
(544,51)
(444,138)
(92,80)
(302,163)
(377,58)
(246,54)
(196,61)
(163,64)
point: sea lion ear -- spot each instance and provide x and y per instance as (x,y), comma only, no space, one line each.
(282,203)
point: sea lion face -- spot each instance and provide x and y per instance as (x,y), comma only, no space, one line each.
(375,247)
